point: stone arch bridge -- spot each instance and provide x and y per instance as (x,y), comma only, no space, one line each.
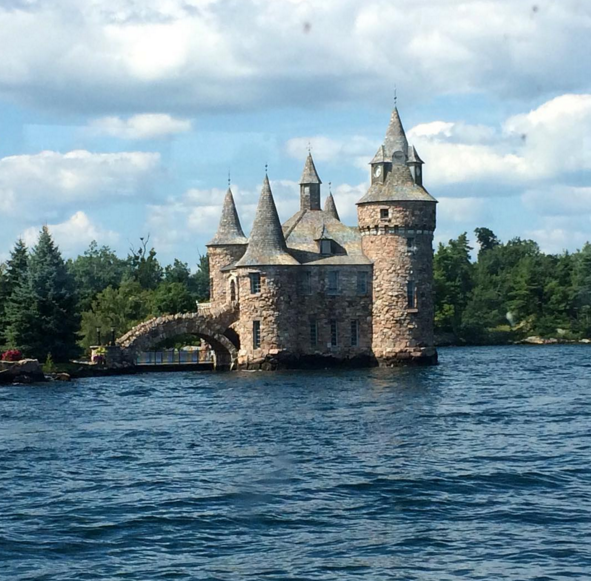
(211,325)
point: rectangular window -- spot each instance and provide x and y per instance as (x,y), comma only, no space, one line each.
(334,334)
(411,294)
(313,333)
(410,243)
(362,283)
(384,214)
(256,334)
(326,247)
(255,283)
(305,283)
(333,282)
(354,333)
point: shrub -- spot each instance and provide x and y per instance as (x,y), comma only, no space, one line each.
(12,355)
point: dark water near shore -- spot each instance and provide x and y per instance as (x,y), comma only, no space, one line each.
(477,469)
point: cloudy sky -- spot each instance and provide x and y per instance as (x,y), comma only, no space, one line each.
(121,118)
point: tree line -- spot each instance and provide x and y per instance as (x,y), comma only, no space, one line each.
(49,306)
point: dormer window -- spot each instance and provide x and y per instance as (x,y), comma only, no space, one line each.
(326,247)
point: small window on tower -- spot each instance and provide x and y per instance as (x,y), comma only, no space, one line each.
(256,334)
(326,247)
(333,282)
(411,294)
(384,214)
(410,243)
(255,283)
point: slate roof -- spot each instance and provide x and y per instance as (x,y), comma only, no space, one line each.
(380,156)
(395,137)
(330,207)
(413,156)
(399,187)
(266,245)
(229,230)
(310,175)
(304,229)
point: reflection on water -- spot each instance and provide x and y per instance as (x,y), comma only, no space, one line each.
(477,468)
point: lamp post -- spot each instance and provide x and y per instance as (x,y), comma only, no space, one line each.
(98,336)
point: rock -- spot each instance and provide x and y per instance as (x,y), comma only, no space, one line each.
(62,377)
(534,340)
(24,371)
(585,341)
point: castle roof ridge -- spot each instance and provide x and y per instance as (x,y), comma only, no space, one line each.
(310,175)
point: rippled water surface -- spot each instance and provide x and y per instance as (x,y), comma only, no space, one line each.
(476,469)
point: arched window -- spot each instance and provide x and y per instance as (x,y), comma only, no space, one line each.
(233,291)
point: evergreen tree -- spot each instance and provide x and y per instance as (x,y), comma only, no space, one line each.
(13,276)
(42,315)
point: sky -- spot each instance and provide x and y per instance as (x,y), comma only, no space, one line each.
(121,119)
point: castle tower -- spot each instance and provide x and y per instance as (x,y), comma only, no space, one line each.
(310,186)
(397,220)
(267,283)
(226,247)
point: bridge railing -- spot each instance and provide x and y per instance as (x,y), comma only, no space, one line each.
(174,357)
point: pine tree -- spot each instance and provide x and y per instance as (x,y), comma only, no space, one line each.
(12,277)
(42,315)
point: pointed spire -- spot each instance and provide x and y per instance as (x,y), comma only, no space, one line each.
(229,231)
(266,245)
(310,175)
(380,156)
(395,137)
(413,156)
(331,208)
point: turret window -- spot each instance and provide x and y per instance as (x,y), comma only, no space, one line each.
(256,334)
(410,244)
(384,214)
(255,283)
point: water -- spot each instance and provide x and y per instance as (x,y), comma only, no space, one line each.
(476,469)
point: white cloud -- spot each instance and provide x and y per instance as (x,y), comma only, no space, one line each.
(471,210)
(148,126)
(548,143)
(191,55)
(73,235)
(559,200)
(557,240)
(357,149)
(47,182)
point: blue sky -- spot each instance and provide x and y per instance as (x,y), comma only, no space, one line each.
(121,118)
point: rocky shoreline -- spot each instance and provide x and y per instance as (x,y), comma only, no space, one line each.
(26,372)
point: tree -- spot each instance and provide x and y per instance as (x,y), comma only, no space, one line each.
(171,298)
(487,240)
(94,271)
(116,308)
(11,277)
(42,316)
(453,283)
(200,280)
(144,265)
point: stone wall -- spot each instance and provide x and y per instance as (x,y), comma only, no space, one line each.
(220,257)
(401,333)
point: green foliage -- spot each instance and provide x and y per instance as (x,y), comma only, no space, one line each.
(49,366)
(41,313)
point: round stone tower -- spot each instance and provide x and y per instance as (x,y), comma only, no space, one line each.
(226,248)
(396,221)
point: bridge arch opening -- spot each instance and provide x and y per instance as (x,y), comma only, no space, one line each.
(152,333)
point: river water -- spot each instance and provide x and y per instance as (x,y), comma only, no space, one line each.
(479,468)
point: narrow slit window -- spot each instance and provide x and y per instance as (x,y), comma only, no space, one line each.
(354,333)
(313,333)
(411,294)
(256,334)
(334,334)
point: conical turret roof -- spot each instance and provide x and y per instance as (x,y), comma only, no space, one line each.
(330,207)
(395,137)
(266,245)
(380,156)
(229,231)
(413,156)
(310,175)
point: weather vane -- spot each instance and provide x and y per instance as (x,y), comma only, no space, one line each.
(266,168)
(330,187)
(229,178)
(395,97)
(309,148)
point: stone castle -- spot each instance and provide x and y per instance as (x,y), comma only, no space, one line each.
(314,291)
